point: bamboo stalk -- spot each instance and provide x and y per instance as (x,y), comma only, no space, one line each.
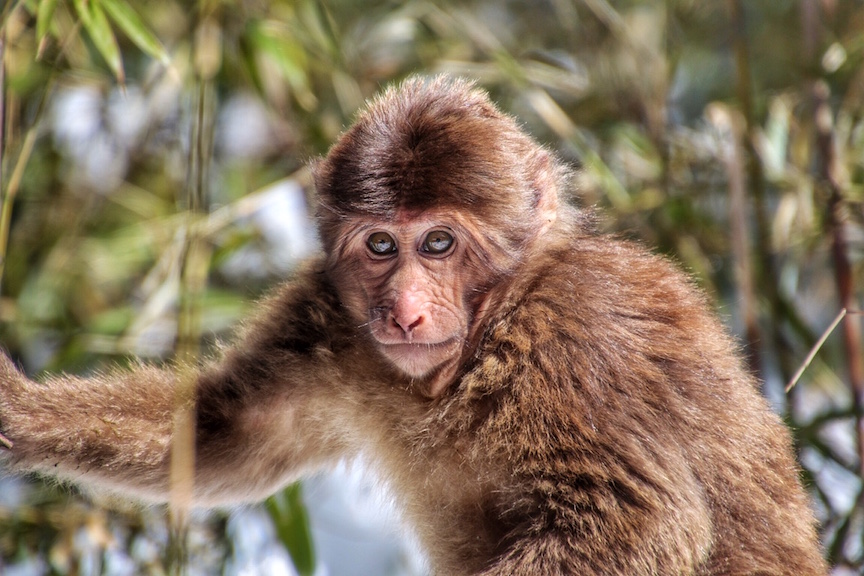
(193,280)
(766,271)
(5,222)
(731,126)
(852,341)
(9,190)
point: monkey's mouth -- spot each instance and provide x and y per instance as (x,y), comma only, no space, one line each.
(418,345)
(419,358)
(419,348)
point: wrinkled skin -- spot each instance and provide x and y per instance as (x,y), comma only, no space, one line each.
(412,284)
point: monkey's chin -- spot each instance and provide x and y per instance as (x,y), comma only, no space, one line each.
(421,360)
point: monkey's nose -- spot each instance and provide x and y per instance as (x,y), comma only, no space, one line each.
(407,325)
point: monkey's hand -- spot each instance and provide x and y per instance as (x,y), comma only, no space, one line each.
(8,375)
(4,368)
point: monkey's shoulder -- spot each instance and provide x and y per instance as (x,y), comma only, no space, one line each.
(304,309)
(605,354)
(603,290)
(602,324)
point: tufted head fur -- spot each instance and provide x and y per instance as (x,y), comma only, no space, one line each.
(432,144)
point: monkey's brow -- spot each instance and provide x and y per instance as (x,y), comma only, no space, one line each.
(349,233)
(359,229)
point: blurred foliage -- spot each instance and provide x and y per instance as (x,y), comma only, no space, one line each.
(292,525)
(148,149)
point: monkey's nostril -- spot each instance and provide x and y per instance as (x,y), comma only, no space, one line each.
(405,325)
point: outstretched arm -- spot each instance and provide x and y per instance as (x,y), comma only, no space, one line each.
(257,409)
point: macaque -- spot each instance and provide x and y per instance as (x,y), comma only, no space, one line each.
(542,399)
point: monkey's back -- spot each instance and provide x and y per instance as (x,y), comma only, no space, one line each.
(616,407)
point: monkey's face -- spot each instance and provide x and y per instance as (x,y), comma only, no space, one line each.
(413,281)
(426,203)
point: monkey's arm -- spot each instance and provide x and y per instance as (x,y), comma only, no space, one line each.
(113,429)
(255,410)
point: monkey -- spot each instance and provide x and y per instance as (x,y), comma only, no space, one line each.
(540,397)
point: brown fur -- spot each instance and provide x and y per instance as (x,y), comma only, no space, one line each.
(596,419)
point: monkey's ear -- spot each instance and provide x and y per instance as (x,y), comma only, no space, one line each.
(547,175)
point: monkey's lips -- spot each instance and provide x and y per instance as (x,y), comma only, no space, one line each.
(419,358)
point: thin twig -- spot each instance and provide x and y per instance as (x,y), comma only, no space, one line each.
(816,348)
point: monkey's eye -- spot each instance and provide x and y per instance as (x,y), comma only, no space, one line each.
(437,242)
(381,243)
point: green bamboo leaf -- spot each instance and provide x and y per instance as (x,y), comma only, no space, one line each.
(99,29)
(128,20)
(289,515)
(44,13)
(288,54)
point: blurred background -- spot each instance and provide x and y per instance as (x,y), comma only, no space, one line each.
(153,185)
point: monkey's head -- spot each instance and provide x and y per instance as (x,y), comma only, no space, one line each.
(426,204)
